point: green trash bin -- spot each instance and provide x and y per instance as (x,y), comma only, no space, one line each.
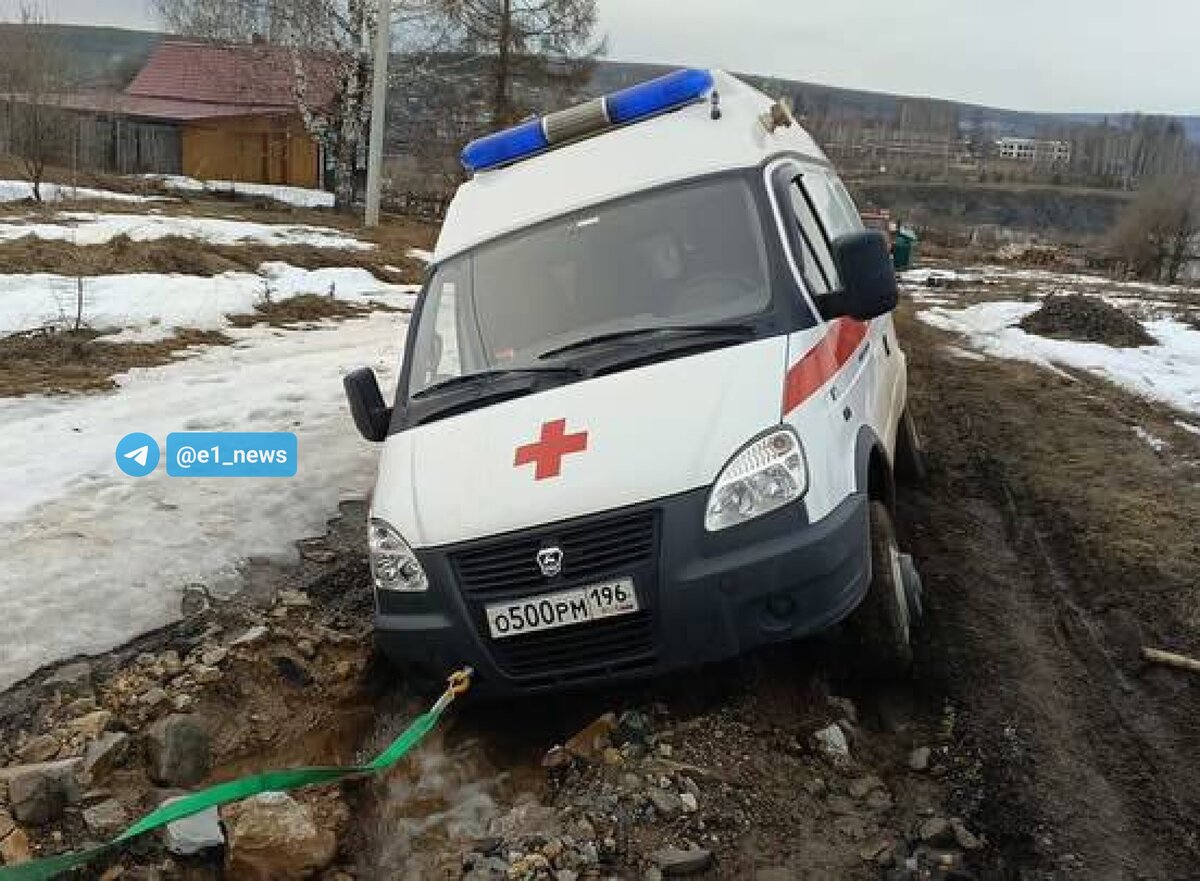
(904,249)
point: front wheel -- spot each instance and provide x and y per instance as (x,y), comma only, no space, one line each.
(910,453)
(881,626)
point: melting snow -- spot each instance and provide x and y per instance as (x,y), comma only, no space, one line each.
(300,197)
(1156,443)
(149,306)
(93,557)
(87,228)
(924,276)
(965,354)
(19,191)
(1167,372)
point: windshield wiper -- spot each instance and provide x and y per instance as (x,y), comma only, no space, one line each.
(470,378)
(740,331)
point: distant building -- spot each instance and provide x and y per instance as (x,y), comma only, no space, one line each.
(214,112)
(1034,151)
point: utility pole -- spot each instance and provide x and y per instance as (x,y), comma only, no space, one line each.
(379,84)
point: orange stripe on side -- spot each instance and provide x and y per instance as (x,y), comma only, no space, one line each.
(822,361)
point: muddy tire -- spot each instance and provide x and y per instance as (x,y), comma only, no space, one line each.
(911,467)
(881,627)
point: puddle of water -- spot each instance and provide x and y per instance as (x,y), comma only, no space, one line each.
(418,820)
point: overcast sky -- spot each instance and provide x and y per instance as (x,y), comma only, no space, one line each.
(1093,55)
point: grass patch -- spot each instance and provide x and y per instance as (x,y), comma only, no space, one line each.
(190,257)
(301,309)
(81,361)
(1123,515)
(49,361)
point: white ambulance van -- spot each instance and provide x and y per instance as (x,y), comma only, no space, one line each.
(651,403)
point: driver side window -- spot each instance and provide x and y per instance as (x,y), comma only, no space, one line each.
(820,271)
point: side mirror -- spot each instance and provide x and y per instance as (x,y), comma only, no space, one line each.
(868,280)
(371,414)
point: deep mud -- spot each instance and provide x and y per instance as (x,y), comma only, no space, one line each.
(1054,544)
(1054,547)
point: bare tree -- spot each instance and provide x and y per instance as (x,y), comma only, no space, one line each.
(1159,233)
(553,38)
(32,81)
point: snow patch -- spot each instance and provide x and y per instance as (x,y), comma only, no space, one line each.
(1188,427)
(1167,372)
(931,299)
(19,191)
(965,354)
(93,557)
(88,228)
(421,254)
(299,197)
(149,306)
(923,276)
(1155,443)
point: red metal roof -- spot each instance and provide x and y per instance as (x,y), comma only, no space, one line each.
(162,108)
(250,77)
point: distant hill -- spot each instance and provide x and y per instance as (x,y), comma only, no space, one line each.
(102,57)
(612,75)
(109,57)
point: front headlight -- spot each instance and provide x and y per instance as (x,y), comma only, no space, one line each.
(394,566)
(766,474)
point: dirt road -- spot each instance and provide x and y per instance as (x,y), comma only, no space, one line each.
(1055,543)
(1054,546)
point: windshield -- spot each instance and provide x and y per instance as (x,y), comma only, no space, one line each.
(690,255)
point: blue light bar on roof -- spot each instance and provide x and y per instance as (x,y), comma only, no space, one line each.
(646,99)
(620,108)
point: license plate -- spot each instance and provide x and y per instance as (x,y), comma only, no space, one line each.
(562,609)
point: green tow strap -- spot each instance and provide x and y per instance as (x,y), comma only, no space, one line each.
(236,790)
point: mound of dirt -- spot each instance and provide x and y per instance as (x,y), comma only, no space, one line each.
(1088,319)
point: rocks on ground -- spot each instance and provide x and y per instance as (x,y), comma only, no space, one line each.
(178,750)
(674,862)
(643,795)
(105,818)
(38,794)
(272,836)
(195,834)
(85,746)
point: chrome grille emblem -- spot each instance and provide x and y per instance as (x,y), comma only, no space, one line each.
(550,561)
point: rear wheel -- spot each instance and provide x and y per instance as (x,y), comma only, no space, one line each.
(910,454)
(881,627)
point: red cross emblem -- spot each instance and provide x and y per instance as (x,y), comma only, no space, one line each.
(546,453)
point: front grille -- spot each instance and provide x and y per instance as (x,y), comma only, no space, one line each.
(613,546)
(609,646)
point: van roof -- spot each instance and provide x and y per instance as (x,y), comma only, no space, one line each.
(678,145)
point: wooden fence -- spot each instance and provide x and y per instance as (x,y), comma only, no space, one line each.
(123,146)
(104,142)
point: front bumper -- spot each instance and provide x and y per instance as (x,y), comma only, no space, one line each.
(704,597)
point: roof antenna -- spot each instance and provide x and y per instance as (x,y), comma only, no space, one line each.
(715,98)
